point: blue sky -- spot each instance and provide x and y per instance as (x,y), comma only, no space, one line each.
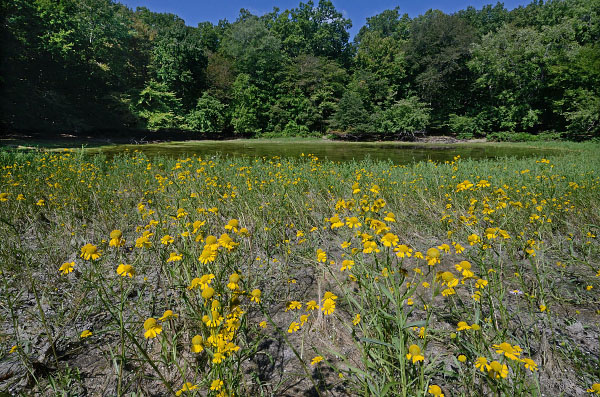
(194,11)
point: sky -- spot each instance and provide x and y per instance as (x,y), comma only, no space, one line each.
(194,11)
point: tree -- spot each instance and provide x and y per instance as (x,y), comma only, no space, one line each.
(437,54)
(220,75)
(488,19)
(308,93)
(512,69)
(158,107)
(208,116)
(317,30)
(351,115)
(384,57)
(178,61)
(247,106)
(389,23)
(404,118)
(253,48)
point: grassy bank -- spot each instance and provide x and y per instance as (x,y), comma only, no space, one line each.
(277,276)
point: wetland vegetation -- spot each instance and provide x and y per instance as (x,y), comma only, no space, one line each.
(289,276)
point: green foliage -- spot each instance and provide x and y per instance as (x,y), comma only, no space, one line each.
(318,30)
(464,126)
(246,106)
(293,129)
(511,65)
(403,118)
(159,107)
(351,115)
(383,57)
(308,94)
(208,116)
(438,51)
(178,61)
(73,64)
(583,113)
(506,136)
(255,50)
(389,23)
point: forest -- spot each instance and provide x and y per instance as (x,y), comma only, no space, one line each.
(96,65)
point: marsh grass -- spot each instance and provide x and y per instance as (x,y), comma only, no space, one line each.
(523,232)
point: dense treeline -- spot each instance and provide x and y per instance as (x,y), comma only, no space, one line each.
(79,65)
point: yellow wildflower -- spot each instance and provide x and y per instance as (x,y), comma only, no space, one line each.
(509,351)
(403,251)
(233,224)
(255,295)
(66,267)
(530,364)
(294,326)
(473,239)
(303,319)
(435,390)
(205,280)
(208,293)
(187,386)
(166,240)
(481,283)
(90,251)
(353,222)
(234,279)
(209,254)
(465,268)
(448,292)
(152,328)
(321,256)
(595,388)
(448,279)
(482,364)
(497,370)
(197,344)
(462,326)
(347,265)
(116,239)
(143,241)
(226,242)
(311,305)
(125,270)
(168,314)
(328,306)
(414,354)
(329,295)
(389,240)
(390,217)
(432,256)
(445,248)
(174,257)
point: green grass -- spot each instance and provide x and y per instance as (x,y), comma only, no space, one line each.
(540,260)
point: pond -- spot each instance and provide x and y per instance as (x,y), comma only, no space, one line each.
(399,153)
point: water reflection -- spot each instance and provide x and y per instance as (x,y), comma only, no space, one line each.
(335,151)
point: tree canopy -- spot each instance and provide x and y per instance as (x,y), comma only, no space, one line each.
(85,65)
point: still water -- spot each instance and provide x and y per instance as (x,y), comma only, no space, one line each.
(399,153)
